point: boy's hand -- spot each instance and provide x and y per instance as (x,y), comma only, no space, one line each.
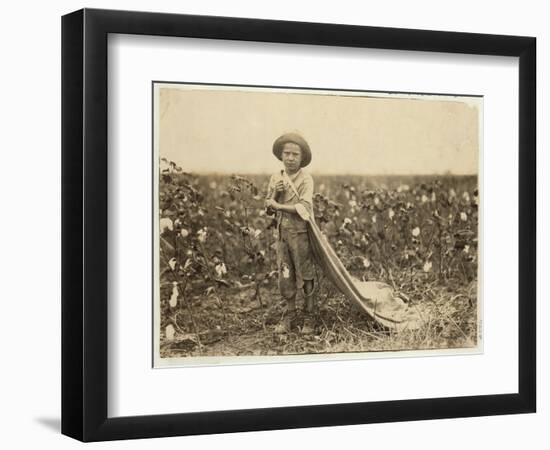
(279,186)
(270,203)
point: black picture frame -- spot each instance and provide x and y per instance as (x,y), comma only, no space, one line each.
(84,224)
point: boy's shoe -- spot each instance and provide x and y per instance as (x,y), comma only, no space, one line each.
(309,326)
(290,319)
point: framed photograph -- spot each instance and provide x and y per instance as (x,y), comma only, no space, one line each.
(393,189)
(273,224)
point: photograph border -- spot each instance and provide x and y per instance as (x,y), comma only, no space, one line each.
(202,361)
(85,231)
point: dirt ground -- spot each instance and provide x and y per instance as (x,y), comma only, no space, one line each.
(233,322)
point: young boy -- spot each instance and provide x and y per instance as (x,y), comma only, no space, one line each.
(294,254)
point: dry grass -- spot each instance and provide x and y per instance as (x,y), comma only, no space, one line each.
(247,328)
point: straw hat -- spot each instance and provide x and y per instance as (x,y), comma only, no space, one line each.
(296,139)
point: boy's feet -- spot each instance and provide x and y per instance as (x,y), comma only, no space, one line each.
(309,325)
(290,315)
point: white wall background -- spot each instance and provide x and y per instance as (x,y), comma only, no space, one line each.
(30,229)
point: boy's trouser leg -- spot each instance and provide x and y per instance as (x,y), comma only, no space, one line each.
(309,322)
(291,304)
(309,295)
(287,276)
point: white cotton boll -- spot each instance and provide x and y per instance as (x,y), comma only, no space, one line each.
(202,234)
(221,270)
(166,222)
(366,263)
(391,214)
(286,272)
(184,233)
(170,332)
(427,266)
(257,233)
(463,216)
(174,297)
(172,263)
(416,232)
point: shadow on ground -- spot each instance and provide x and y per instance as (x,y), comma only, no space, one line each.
(53,423)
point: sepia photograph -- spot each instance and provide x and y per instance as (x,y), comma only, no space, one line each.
(299,224)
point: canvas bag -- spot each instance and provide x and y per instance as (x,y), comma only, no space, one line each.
(378,300)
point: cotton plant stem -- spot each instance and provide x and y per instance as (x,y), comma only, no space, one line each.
(258,294)
(211,275)
(189,307)
(191,311)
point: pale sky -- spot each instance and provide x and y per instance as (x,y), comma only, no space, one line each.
(231,130)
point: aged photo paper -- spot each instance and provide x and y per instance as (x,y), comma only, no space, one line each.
(306,224)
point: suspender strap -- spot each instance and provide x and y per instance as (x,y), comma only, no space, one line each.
(300,209)
(289,181)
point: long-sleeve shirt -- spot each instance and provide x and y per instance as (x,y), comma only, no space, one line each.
(303,182)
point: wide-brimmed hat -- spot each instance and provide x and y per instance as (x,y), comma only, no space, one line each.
(296,139)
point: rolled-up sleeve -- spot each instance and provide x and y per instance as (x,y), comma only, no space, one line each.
(306,193)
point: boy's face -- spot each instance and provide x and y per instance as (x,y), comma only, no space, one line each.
(292,157)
